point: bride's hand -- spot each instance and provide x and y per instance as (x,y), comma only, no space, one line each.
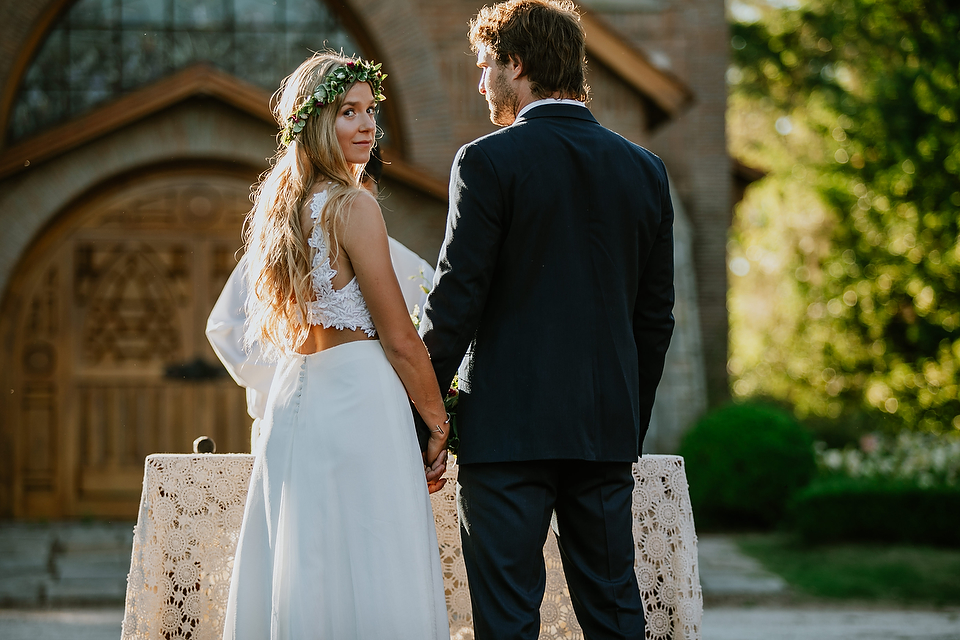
(436,469)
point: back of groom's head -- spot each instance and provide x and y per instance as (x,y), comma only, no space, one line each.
(545,36)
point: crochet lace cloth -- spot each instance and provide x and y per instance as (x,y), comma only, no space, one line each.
(339,308)
(191,510)
(192,507)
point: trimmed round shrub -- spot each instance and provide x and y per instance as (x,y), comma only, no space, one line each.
(744,462)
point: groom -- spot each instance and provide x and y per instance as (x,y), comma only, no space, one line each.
(556,281)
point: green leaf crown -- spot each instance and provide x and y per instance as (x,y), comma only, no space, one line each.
(334,84)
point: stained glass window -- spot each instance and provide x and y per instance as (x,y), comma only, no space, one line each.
(102,49)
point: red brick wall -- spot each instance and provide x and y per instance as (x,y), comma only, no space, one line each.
(692,38)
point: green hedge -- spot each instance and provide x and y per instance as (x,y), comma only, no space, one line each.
(845,509)
(744,462)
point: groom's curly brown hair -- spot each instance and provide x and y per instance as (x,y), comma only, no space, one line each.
(545,36)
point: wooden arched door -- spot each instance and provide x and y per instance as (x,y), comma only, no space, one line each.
(103,339)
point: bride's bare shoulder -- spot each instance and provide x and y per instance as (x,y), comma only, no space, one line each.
(365,204)
(364,223)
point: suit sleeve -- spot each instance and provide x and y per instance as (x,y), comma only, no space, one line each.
(475,228)
(653,314)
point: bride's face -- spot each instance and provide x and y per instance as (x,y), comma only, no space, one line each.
(356,124)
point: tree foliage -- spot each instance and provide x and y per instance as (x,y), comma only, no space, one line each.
(865,177)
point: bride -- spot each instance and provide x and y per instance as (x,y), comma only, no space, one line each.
(338,539)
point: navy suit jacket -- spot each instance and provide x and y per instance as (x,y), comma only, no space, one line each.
(556,281)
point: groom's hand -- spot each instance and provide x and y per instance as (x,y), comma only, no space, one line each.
(435,471)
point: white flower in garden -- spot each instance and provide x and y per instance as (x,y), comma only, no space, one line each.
(853,463)
(925,459)
(939,459)
(833,459)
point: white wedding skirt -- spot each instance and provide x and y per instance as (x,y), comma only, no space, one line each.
(338,539)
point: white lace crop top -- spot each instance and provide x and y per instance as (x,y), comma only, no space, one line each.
(339,308)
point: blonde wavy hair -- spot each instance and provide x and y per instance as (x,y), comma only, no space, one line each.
(279,260)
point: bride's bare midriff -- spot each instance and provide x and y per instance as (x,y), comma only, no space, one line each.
(321,338)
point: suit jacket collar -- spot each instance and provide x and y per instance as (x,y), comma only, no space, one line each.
(557,111)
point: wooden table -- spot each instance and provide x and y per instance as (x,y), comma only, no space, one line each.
(191,509)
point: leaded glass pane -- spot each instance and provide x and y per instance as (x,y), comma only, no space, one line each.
(46,72)
(94,14)
(101,49)
(306,14)
(257,14)
(200,14)
(199,46)
(256,58)
(42,96)
(37,108)
(91,70)
(146,12)
(144,57)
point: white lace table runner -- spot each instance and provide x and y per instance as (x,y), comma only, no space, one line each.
(192,506)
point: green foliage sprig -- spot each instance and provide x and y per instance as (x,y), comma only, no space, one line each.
(334,84)
(450,401)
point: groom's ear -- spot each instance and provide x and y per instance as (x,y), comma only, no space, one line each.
(515,68)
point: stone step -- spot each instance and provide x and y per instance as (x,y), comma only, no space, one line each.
(95,537)
(23,590)
(92,564)
(25,550)
(64,563)
(86,590)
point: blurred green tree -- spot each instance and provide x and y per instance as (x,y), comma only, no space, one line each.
(847,303)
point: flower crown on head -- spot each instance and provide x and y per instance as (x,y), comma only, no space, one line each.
(334,84)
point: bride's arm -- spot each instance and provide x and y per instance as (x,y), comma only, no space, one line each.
(365,242)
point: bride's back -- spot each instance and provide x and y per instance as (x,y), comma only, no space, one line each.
(336,311)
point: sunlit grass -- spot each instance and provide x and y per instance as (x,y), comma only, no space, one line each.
(897,574)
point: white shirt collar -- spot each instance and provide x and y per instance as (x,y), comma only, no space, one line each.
(537,103)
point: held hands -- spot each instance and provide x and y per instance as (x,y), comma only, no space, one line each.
(435,471)
(435,460)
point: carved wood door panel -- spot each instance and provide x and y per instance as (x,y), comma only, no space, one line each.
(103,336)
